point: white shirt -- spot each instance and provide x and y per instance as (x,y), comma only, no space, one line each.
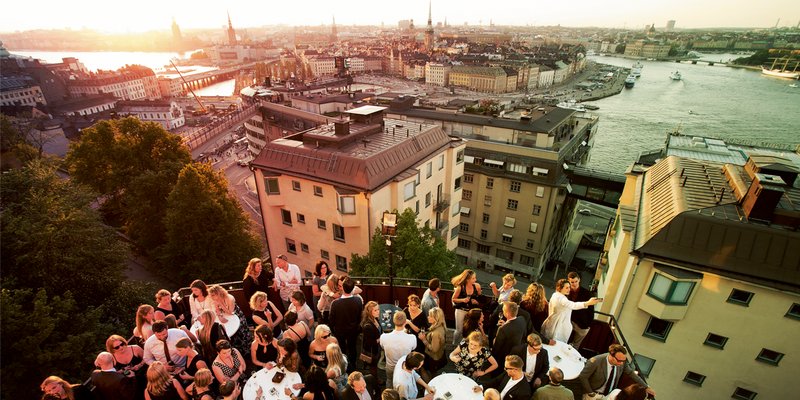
(397,345)
(530,361)
(509,385)
(197,307)
(405,382)
(282,279)
(154,348)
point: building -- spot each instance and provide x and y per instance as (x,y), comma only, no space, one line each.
(86,105)
(321,66)
(132,82)
(323,191)
(670,25)
(546,76)
(231,32)
(513,186)
(647,49)
(429,31)
(437,74)
(704,260)
(20,91)
(319,103)
(171,86)
(355,64)
(166,113)
(481,79)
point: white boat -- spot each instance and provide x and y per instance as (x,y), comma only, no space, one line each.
(571,105)
(636,70)
(630,81)
(782,72)
(675,76)
(794,85)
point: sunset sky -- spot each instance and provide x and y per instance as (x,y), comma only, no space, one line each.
(144,15)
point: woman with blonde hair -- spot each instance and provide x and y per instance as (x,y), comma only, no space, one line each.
(371,334)
(504,291)
(535,303)
(145,316)
(433,340)
(166,306)
(317,348)
(127,357)
(225,306)
(201,388)
(56,388)
(471,354)
(265,312)
(258,279)
(337,366)
(466,292)
(330,292)
(161,385)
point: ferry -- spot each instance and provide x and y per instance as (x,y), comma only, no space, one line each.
(636,70)
(630,81)
(571,105)
(782,72)
(675,76)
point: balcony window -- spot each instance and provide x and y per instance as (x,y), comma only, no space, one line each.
(338,233)
(347,204)
(743,394)
(669,291)
(271,186)
(694,378)
(715,340)
(657,329)
(769,356)
(296,186)
(409,190)
(740,297)
(286,217)
(645,364)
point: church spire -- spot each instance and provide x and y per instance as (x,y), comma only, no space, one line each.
(231,32)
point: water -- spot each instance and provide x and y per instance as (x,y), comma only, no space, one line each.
(725,102)
(106,60)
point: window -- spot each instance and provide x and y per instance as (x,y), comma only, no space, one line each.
(529,244)
(460,157)
(507,239)
(464,244)
(301,218)
(484,234)
(482,248)
(286,216)
(416,207)
(485,218)
(794,311)
(715,340)
(515,186)
(505,254)
(291,247)
(457,183)
(296,186)
(657,329)
(668,291)
(468,178)
(464,227)
(539,191)
(512,204)
(324,254)
(429,170)
(537,210)
(466,194)
(427,199)
(321,224)
(271,186)
(441,161)
(740,297)
(409,190)
(519,168)
(341,263)
(317,190)
(694,378)
(743,394)
(769,356)
(338,233)
(645,364)
(510,222)
(347,204)
(304,247)
(487,200)
(526,260)
(489,183)
(534,227)
(454,232)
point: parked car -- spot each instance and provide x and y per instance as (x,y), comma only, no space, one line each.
(585,211)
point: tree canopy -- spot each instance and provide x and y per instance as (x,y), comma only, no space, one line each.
(418,252)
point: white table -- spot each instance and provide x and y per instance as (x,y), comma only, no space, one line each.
(263,379)
(567,359)
(459,386)
(231,326)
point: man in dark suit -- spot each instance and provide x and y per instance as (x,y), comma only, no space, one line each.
(109,383)
(510,334)
(603,372)
(581,319)
(345,319)
(360,387)
(512,384)
(516,297)
(535,359)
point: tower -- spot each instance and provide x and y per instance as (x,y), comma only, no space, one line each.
(429,31)
(176,32)
(231,32)
(334,34)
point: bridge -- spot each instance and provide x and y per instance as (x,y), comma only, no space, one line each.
(207,78)
(595,186)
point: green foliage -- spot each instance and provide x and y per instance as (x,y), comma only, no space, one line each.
(766,57)
(146,205)
(52,239)
(44,336)
(9,135)
(208,234)
(417,253)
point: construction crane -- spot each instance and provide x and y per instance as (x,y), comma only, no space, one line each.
(202,107)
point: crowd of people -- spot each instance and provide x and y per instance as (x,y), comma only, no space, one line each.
(210,349)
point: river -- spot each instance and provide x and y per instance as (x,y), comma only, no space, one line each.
(724,102)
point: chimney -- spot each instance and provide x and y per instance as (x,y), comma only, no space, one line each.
(342,127)
(763,196)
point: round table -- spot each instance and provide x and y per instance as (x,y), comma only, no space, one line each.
(566,358)
(270,390)
(385,316)
(458,386)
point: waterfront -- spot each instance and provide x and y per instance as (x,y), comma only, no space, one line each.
(724,102)
(106,60)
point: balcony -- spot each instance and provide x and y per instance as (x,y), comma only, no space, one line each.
(442,204)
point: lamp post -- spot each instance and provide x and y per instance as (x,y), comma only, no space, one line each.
(389,231)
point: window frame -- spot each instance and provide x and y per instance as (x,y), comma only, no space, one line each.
(512,204)
(336,229)
(718,344)
(301,218)
(700,378)
(515,186)
(406,196)
(338,265)
(291,246)
(671,290)
(324,254)
(296,186)
(317,191)
(268,183)
(643,360)
(322,224)
(304,247)
(752,395)
(341,204)
(740,302)
(655,336)
(286,217)
(793,312)
(766,360)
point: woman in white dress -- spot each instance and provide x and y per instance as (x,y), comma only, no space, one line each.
(558,324)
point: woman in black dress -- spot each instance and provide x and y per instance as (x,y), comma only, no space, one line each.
(372,334)
(264,349)
(265,312)
(166,306)
(194,361)
(226,306)
(260,279)
(317,386)
(161,385)
(209,334)
(201,388)
(416,320)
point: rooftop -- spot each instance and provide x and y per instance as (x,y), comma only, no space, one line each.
(543,121)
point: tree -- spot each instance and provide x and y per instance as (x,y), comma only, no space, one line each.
(208,234)
(53,239)
(417,252)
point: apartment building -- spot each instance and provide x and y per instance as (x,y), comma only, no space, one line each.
(132,82)
(481,79)
(323,191)
(20,91)
(166,113)
(546,76)
(702,268)
(321,66)
(320,103)
(437,74)
(647,49)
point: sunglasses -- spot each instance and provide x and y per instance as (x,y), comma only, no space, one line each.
(326,336)
(119,346)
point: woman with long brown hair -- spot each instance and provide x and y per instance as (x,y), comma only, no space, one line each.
(194,361)
(161,385)
(416,320)
(264,349)
(145,316)
(199,300)
(371,330)
(320,277)
(466,292)
(166,306)
(535,303)
(225,305)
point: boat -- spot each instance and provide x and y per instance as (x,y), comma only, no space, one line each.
(636,70)
(782,72)
(630,81)
(594,107)
(794,85)
(675,76)
(571,105)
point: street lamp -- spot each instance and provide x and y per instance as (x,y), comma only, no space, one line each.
(389,231)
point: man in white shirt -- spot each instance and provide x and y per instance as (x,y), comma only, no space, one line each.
(287,278)
(396,345)
(161,346)
(536,360)
(512,385)
(406,377)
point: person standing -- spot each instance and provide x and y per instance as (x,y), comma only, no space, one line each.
(430,298)
(558,325)
(321,274)
(466,292)
(287,278)
(110,383)
(511,333)
(396,345)
(406,377)
(535,359)
(345,321)
(603,372)
(162,346)
(581,319)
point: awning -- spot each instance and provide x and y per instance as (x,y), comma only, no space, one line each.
(469,159)
(540,171)
(493,162)
(465,210)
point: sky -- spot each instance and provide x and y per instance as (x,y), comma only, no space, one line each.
(145,15)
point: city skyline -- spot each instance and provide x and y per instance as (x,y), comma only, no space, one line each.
(578,13)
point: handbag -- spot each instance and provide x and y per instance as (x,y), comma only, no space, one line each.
(366,358)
